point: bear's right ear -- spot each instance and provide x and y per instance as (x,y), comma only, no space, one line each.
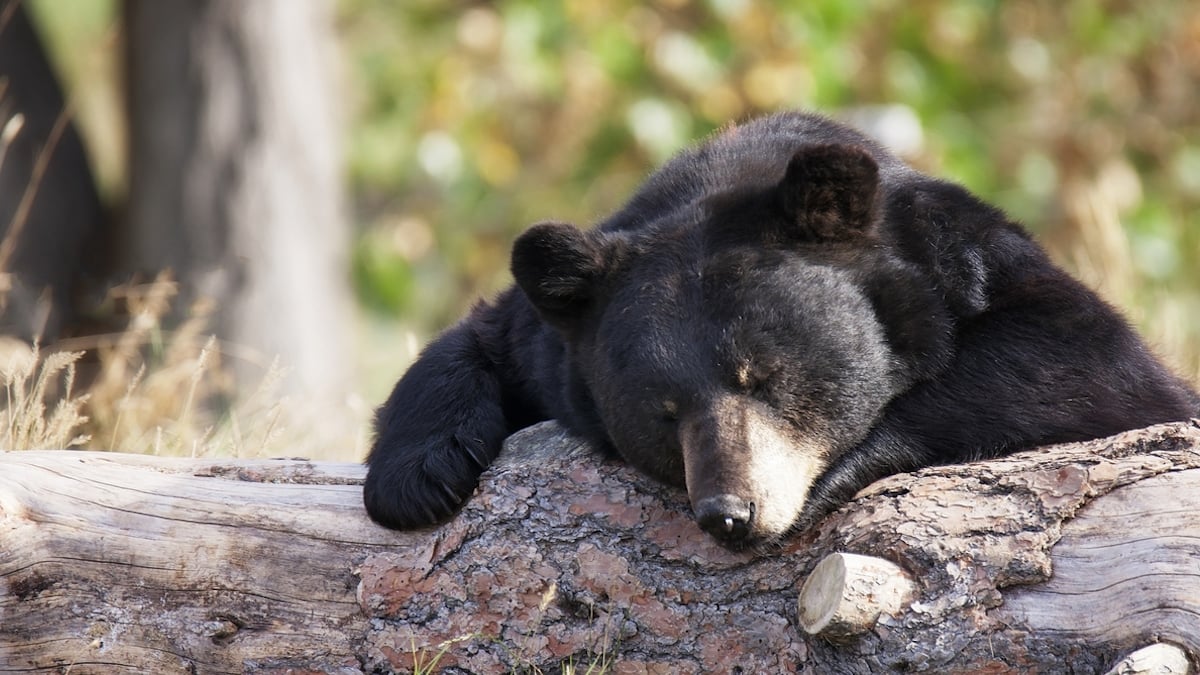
(829,191)
(558,266)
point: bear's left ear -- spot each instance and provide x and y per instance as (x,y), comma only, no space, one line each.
(829,191)
(559,268)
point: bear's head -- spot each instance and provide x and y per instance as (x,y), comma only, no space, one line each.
(744,341)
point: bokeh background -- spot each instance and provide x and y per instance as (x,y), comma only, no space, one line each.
(464,122)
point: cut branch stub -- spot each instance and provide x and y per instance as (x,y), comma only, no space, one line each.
(846,593)
(1163,658)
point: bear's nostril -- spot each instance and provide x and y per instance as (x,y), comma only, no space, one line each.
(725,517)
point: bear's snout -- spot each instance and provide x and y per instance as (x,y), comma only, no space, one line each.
(747,473)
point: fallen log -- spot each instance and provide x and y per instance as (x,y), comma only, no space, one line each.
(1071,558)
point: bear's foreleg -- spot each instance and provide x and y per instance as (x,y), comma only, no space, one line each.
(441,427)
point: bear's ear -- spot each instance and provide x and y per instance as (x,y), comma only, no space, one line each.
(829,191)
(558,266)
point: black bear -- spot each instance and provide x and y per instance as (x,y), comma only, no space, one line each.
(777,318)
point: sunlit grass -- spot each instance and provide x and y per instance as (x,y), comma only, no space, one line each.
(31,417)
(148,390)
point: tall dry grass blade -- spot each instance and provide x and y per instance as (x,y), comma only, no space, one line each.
(185,415)
(56,430)
(18,371)
(235,434)
(30,407)
(267,392)
(67,415)
(7,13)
(28,380)
(273,429)
(9,133)
(61,428)
(203,443)
(124,403)
(21,216)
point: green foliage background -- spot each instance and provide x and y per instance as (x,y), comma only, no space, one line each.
(474,120)
(469,121)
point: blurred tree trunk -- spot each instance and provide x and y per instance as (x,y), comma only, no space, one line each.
(48,203)
(235,175)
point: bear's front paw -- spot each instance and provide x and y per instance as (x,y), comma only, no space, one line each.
(411,487)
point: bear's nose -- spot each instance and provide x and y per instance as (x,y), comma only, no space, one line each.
(725,517)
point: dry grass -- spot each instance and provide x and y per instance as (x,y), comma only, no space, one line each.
(145,387)
(26,421)
(148,389)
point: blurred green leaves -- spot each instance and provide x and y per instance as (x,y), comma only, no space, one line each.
(468,121)
(480,119)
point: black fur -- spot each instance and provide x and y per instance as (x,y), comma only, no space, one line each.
(791,276)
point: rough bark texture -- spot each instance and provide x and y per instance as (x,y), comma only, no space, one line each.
(1060,560)
(235,178)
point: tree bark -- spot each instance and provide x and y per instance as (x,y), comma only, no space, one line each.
(49,209)
(1065,559)
(235,178)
